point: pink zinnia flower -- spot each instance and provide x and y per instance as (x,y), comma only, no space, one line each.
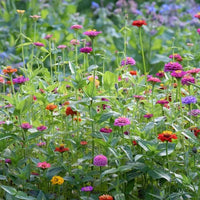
(38,44)
(160,74)
(106,130)
(129,61)
(75,42)
(193,71)
(178,74)
(41,128)
(100,160)
(47,37)
(2,80)
(26,125)
(176,56)
(35,17)
(187,80)
(44,165)
(197,15)
(148,115)
(2,122)
(162,101)
(172,66)
(92,33)
(122,121)
(86,49)
(40,144)
(154,80)
(62,46)
(76,27)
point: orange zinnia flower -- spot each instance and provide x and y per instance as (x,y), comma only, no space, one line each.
(51,107)
(133,73)
(167,136)
(9,70)
(61,148)
(105,197)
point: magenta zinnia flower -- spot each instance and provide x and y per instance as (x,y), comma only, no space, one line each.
(122,121)
(62,46)
(176,56)
(92,33)
(100,160)
(148,115)
(47,37)
(38,44)
(129,61)
(106,130)
(41,128)
(76,27)
(172,66)
(44,165)
(187,80)
(160,74)
(162,101)
(87,189)
(193,71)
(86,49)
(20,80)
(154,80)
(26,125)
(178,74)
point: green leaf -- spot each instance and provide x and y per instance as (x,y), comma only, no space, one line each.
(71,68)
(41,196)
(54,171)
(109,171)
(109,80)
(128,152)
(159,58)
(190,135)
(21,195)
(35,135)
(108,115)
(9,190)
(158,174)
(92,67)
(24,44)
(162,147)
(44,50)
(90,90)
(120,196)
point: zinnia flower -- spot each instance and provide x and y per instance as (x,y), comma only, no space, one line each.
(122,121)
(47,37)
(87,189)
(57,180)
(61,148)
(20,80)
(133,73)
(41,128)
(21,12)
(176,56)
(197,15)
(75,42)
(172,66)
(162,101)
(134,142)
(86,49)
(178,74)
(189,100)
(148,115)
(195,130)
(62,46)
(139,23)
(83,143)
(193,71)
(128,61)
(187,80)
(92,33)
(40,144)
(100,160)
(160,74)
(51,107)
(69,111)
(194,112)
(9,70)
(76,27)
(105,197)
(38,44)
(26,125)
(153,80)
(106,130)
(35,17)
(44,165)
(167,136)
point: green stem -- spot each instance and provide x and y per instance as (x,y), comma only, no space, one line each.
(50,60)
(20,27)
(141,45)
(76,50)
(167,154)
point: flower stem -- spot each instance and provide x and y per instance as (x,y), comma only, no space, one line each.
(141,45)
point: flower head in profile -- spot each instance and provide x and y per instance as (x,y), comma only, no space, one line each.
(193,71)
(172,66)
(61,148)
(69,111)
(74,42)
(43,165)
(167,136)
(153,80)
(160,74)
(176,56)
(87,189)
(128,61)
(86,49)
(197,15)
(35,17)
(76,27)
(38,44)
(195,130)
(105,197)
(21,12)
(48,36)
(122,121)
(57,180)
(26,125)
(194,112)
(41,128)
(139,23)
(162,101)
(40,144)
(133,73)
(148,115)
(20,80)
(106,130)
(51,107)
(83,143)
(92,33)
(62,46)
(9,70)
(189,100)
(100,160)
(187,80)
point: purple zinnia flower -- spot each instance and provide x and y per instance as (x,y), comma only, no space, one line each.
(104,99)
(100,160)
(38,44)
(106,130)
(92,33)
(41,128)
(129,61)
(26,125)
(76,27)
(178,74)
(20,80)
(148,115)
(62,46)
(172,66)
(186,80)
(176,56)
(122,121)
(194,112)
(189,100)
(7,160)
(86,49)
(87,189)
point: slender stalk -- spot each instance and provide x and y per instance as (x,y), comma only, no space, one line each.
(21,38)
(76,50)
(167,154)
(50,60)
(141,45)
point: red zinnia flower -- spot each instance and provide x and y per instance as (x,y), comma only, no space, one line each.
(133,73)
(134,142)
(69,111)
(139,23)
(61,148)
(167,136)
(83,143)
